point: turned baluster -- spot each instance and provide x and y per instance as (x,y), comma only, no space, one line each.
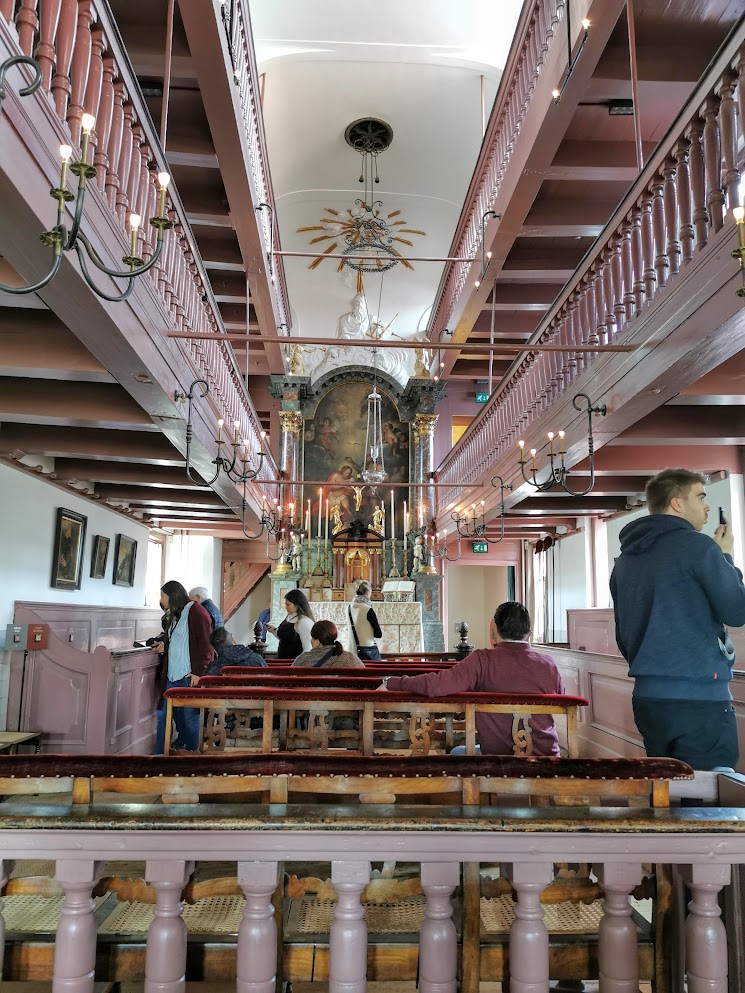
(114,147)
(125,162)
(565,367)
(713,163)
(26,23)
(75,940)
(6,9)
(133,179)
(598,267)
(728,132)
(740,70)
(66,32)
(618,954)
(637,258)
(670,207)
(256,962)
(529,935)
(81,61)
(92,97)
(627,268)
(575,331)
(698,185)
(661,261)
(650,276)
(151,233)
(165,953)
(683,184)
(6,868)
(542,29)
(619,310)
(706,937)
(147,181)
(608,294)
(348,931)
(589,319)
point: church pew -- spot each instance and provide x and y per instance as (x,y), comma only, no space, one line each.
(378,670)
(419,712)
(463,780)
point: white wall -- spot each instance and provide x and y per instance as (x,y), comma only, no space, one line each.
(242,622)
(27,528)
(474,592)
(195,560)
(570,584)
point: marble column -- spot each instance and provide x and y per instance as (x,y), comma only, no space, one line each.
(424,429)
(290,423)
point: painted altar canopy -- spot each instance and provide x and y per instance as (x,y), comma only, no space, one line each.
(334,447)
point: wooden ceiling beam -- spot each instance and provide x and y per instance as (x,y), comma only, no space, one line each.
(567,218)
(95,405)
(35,344)
(681,426)
(138,496)
(133,474)
(592,161)
(88,443)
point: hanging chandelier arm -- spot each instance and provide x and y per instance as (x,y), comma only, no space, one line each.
(32,288)
(112,298)
(17,60)
(115,273)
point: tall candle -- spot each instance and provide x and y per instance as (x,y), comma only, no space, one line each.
(393,515)
(327,519)
(320,509)
(307,519)
(406,525)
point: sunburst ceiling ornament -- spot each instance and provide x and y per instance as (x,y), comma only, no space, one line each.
(363,230)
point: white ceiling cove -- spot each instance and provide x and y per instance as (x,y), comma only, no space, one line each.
(416,64)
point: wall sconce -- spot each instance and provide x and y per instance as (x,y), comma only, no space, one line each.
(485,257)
(571,62)
(59,239)
(473,527)
(559,472)
(739,253)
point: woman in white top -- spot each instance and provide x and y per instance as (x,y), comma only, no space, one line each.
(364,623)
(294,631)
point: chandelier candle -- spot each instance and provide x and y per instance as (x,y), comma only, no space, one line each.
(65,152)
(320,510)
(393,515)
(406,528)
(327,520)
(219,431)
(307,520)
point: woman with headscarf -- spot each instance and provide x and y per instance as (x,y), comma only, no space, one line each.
(364,623)
(294,631)
(187,653)
(327,652)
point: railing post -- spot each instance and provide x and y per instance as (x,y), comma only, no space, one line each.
(728,132)
(26,22)
(66,31)
(75,941)
(348,932)
(438,941)
(529,935)
(698,186)
(81,62)
(661,261)
(256,968)
(706,937)
(670,204)
(713,163)
(683,184)
(6,867)
(618,954)
(165,955)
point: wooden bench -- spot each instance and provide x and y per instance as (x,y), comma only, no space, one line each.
(304,779)
(384,719)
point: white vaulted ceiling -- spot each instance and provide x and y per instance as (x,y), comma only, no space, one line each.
(416,64)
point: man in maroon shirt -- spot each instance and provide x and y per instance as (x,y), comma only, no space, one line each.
(513,666)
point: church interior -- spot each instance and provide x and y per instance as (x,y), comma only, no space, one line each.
(300,299)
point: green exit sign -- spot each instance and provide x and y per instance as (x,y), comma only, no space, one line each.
(480,546)
(482,397)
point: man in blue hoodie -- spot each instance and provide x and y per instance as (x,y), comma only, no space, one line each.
(674,590)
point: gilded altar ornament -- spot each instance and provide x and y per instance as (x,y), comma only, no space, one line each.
(297,361)
(290,421)
(338,522)
(378,523)
(358,491)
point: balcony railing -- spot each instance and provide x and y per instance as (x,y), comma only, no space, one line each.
(85,69)
(669,220)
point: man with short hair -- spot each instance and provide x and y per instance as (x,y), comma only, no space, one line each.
(200,594)
(513,666)
(674,590)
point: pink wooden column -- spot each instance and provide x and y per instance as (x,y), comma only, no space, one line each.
(706,938)
(256,969)
(618,954)
(348,932)
(438,940)
(529,935)
(6,867)
(75,941)
(165,955)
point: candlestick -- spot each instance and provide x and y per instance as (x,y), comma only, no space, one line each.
(320,510)
(134,223)
(406,528)
(87,121)
(393,515)
(164,179)
(532,456)
(219,431)
(236,426)
(65,152)
(292,515)
(561,442)
(327,519)
(307,519)
(550,443)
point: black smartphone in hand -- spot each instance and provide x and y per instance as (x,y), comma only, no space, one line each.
(722,518)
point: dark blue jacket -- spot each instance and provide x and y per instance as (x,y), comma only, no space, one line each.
(673,593)
(214,611)
(235,655)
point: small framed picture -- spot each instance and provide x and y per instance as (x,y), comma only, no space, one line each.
(125,552)
(67,553)
(99,556)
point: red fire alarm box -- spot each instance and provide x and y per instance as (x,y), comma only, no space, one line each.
(38,637)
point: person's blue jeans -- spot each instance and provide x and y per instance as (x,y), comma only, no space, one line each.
(187,721)
(461,750)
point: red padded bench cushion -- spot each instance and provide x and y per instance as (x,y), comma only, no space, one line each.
(362,695)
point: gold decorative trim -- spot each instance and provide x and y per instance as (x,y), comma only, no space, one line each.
(424,425)
(290,421)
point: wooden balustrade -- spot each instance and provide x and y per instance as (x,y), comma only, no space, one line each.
(681,200)
(69,42)
(704,843)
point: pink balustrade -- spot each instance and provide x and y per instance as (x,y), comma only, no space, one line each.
(704,849)
(667,221)
(85,69)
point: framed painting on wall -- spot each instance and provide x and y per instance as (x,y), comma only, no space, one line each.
(99,556)
(67,553)
(125,552)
